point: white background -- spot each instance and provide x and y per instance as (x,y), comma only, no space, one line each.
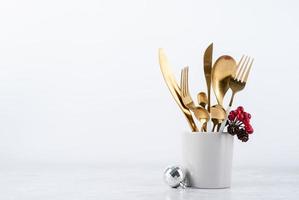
(80,80)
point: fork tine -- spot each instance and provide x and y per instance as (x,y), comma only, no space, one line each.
(247,73)
(242,68)
(245,69)
(187,81)
(182,82)
(238,66)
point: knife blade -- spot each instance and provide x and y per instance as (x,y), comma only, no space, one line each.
(207,59)
(174,88)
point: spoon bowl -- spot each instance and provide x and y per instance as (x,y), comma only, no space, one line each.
(218,115)
(202,99)
(223,69)
(203,117)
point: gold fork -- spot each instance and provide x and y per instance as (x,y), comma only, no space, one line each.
(200,113)
(239,79)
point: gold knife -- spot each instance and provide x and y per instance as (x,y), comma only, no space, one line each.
(207,59)
(174,88)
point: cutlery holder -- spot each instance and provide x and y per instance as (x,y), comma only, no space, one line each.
(207,158)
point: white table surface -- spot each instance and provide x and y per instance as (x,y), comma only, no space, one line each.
(128,181)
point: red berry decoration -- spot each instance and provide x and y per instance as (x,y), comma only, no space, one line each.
(239,124)
(240,108)
(231,116)
(249,116)
(240,116)
(249,129)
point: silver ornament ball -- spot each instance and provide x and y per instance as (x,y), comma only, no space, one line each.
(174,176)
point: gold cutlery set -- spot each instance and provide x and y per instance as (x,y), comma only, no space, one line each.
(223,75)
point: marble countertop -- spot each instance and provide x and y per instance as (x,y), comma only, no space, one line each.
(72,182)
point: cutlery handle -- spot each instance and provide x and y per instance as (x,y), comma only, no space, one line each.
(231,100)
(174,88)
(224,122)
(209,97)
(191,123)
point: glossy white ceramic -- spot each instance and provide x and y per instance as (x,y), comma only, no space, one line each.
(207,157)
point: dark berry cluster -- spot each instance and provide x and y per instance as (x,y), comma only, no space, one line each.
(239,124)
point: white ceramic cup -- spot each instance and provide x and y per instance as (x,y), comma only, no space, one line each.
(207,158)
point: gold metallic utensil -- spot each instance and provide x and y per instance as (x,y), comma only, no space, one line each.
(200,113)
(223,69)
(208,71)
(239,78)
(218,115)
(174,88)
(202,99)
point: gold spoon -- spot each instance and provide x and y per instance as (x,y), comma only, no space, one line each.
(223,69)
(202,99)
(218,115)
(202,115)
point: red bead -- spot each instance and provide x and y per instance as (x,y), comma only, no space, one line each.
(240,108)
(235,112)
(249,115)
(246,116)
(240,116)
(231,117)
(238,112)
(232,113)
(246,122)
(249,129)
